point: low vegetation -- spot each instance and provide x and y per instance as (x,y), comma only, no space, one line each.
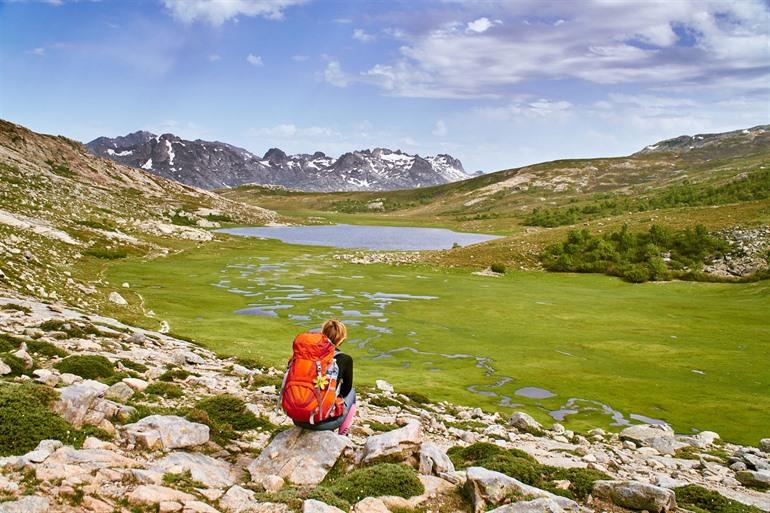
(163,389)
(87,366)
(520,465)
(658,254)
(378,480)
(701,500)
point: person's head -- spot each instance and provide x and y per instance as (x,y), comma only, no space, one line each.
(335,331)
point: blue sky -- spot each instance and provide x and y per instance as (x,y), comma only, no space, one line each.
(495,83)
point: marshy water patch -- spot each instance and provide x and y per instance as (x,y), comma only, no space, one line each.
(534,393)
(393,238)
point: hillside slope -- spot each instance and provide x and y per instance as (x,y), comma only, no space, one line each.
(213,164)
(62,209)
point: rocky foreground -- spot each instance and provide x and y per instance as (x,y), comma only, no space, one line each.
(99,416)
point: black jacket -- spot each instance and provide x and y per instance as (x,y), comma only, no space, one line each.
(345,365)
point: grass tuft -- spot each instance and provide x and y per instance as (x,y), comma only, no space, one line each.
(87,366)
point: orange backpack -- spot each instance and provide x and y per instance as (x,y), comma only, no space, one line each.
(310,389)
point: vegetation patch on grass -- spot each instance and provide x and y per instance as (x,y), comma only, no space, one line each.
(71,328)
(43,348)
(378,480)
(230,410)
(17,365)
(701,500)
(182,481)
(382,427)
(163,389)
(522,466)
(15,307)
(61,169)
(174,375)
(635,257)
(87,366)
(134,366)
(106,253)
(295,497)
(10,342)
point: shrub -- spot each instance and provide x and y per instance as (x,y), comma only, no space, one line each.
(498,268)
(183,481)
(230,410)
(17,365)
(25,419)
(9,342)
(379,426)
(134,366)
(87,366)
(70,328)
(701,500)
(181,220)
(44,348)
(174,374)
(163,389)
(18,308)
(106,253)
(219,218)
(417,397)
(251,363)
(378,480)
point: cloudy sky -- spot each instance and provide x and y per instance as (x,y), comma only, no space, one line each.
(495,83)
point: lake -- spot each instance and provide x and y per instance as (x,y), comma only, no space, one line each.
(394,238)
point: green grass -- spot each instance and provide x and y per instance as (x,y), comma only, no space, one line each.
(87,366)
(701,500)
(163,389)
(633,347)
(376,481)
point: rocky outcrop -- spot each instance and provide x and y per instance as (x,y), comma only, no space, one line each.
(166,432)
(487,487)
(635,495)
(403,443)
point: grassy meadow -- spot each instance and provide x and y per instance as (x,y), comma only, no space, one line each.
(687,353)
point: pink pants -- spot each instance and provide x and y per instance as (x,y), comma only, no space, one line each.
(348,420)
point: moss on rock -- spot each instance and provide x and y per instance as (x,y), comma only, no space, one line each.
(378,480)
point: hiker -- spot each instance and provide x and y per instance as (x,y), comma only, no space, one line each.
(317,391)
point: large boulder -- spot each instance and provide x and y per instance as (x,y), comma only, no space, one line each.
(542,505)
(155,494)
(525,423)
(211,472)
(28,504)
(764,445)
(79,403)
(314,506)
(635,495)
(300,456)
(755,478)
(240,500)
(370,505)
(489,488)
(403,443)
(433,460)
(643,434)
(166,432)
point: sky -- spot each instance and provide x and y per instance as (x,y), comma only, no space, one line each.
(497,84)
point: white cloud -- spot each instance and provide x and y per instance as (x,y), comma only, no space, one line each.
(440,129)
(361,35)
(299,58)
(214,57)
(216,12)
(527,108)
(254,60)
(481,25)
(334,75)
(342,21)
(40,52)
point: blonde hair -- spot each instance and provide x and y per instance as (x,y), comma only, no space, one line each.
(335,331)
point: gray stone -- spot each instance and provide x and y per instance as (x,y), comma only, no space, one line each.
(240,500)
(754,477)
(183,357)
(314,506)
(403,441)
(76,401)
(635,495)
(116,298)
(155,494)
(166,432)
(300,456)
(211,472)
(764,445)
(525,423)
(433,460)
(542,505)
(643,434)
(28,504)
(120,392)
(4,368)
(487,487)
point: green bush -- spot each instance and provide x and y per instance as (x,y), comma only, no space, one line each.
(9,342)
(26,419)
(498,268)
(18,308)
(70,328)
(174,374)
(701,500)
(230,410)
(134,366)
(382,427)
(17,365)
(181,220)
(163,389)
(87,366)
(106,253)
(417,397)
(378,480)
(44,348)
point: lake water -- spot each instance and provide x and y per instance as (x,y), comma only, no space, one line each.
(394,238)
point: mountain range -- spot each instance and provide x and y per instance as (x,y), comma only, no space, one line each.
(216,165)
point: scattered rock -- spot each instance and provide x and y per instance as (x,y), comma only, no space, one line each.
(211,472)
(300,456)
(120,392)
(542,505)
(487,487)
(404,442)
(370,505)
(27,504)
(314,506)
(525,423)
(757,478)
(635,495)
(155,494)
(166,432)
(434,461)
(78,403)
(764,445)
(383,385)
(116,298)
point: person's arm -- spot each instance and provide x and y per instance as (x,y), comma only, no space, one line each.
(345,364)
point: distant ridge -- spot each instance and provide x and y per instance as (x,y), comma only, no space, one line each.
(214,165)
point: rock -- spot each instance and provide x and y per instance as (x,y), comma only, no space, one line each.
(97,505)
(666,445)
(120,392)
(272,483)
(24,356)
(764,445)
(137,384)
(198,507)
(300,456)
(643,434)
(487,487)
(542,505)
(433,460)
(211,472)
(76,401)
(525,423)
(182,357)
(383,385)
(155,494)
(738,466)
(116,298)
(370,505)
(635,495)
(4,368)
(43,450)
(46,377)
(137,338)
(758,478)
(703,439)
(314,506)
(169,507)
(166,432)
(240,500)
(402,441)
(28,504)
